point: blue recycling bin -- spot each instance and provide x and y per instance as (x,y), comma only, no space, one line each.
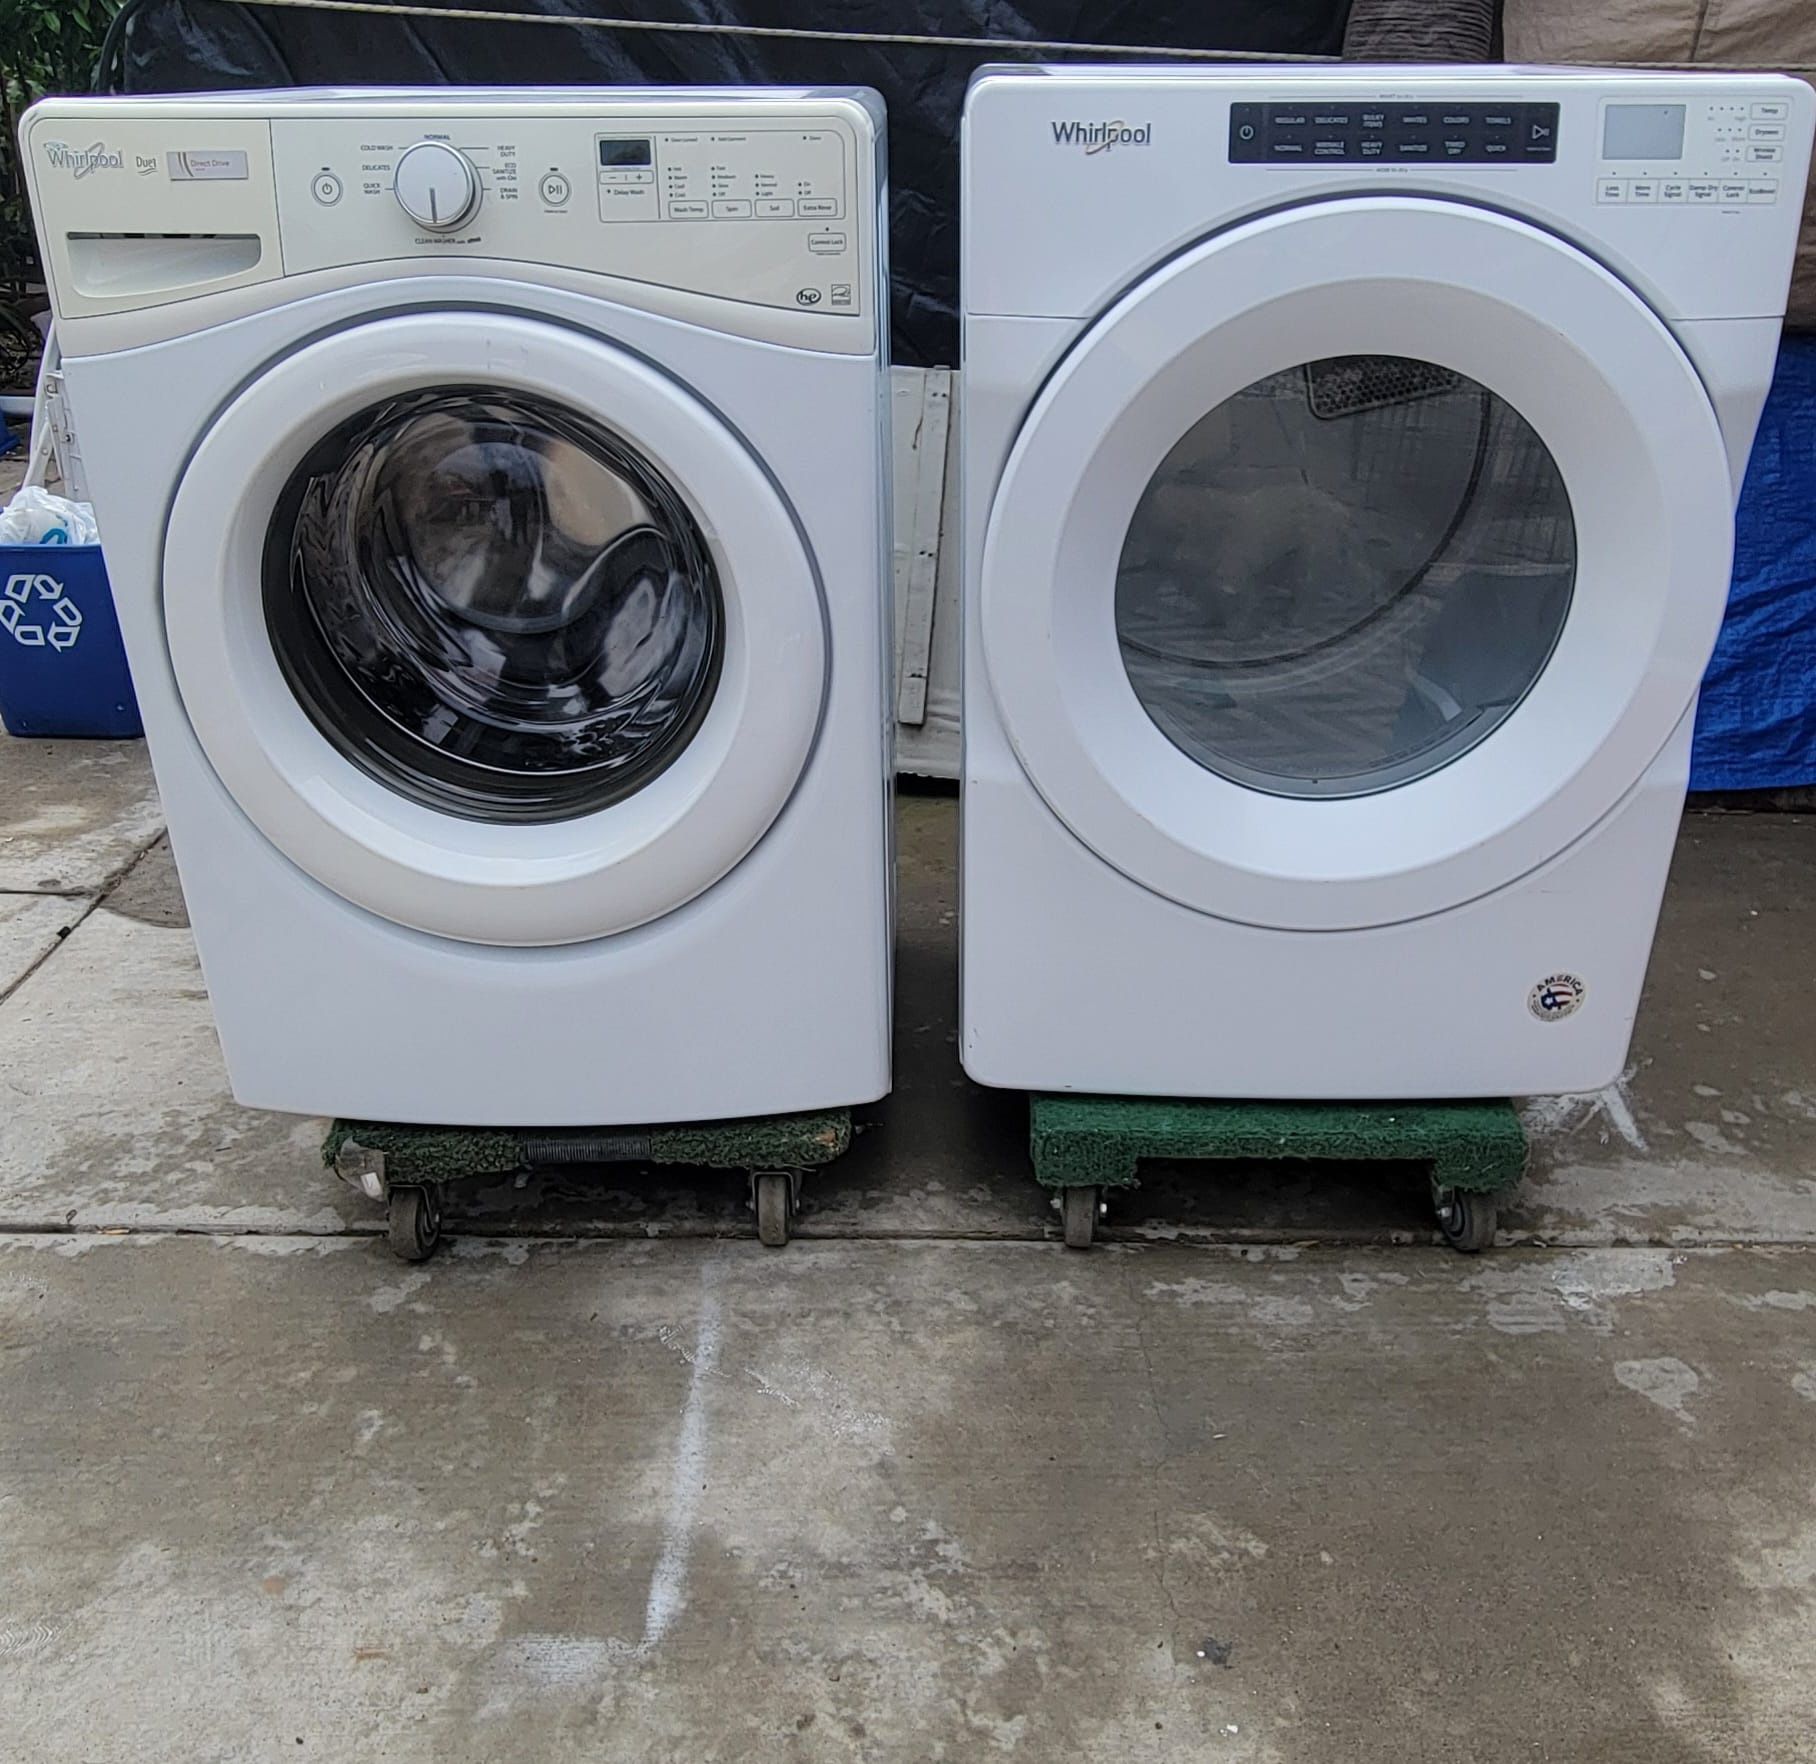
(62,665)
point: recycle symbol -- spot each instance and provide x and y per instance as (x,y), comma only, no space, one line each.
(35,611)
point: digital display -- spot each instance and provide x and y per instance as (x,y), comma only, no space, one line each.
(625,152)
(1643,131)
(1472,133)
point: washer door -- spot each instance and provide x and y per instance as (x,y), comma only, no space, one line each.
(492,628)
(1355,563)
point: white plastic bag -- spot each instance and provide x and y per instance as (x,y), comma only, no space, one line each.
(36,517)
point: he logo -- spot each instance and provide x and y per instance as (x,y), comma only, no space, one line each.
(1100,137)
(80,161)
(34,611)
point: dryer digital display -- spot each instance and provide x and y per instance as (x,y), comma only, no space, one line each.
(1472,134)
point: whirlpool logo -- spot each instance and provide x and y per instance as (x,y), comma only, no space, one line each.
(1100,137)
(80,161)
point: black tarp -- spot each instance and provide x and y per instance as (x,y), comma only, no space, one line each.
(192,45)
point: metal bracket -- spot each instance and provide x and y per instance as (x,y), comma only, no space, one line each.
(794,1187)
(362,1167)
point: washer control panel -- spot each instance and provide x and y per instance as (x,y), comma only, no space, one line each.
(759,210)
(1727,153)
(755,213)
(1316,133)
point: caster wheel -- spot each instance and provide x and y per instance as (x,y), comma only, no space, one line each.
(413,1223)
(1079,1208)
(775,1209)
(1466,1219)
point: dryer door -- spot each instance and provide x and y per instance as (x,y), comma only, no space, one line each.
(1358,561)
(492,628)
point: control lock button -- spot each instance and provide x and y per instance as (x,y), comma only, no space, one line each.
(826,244)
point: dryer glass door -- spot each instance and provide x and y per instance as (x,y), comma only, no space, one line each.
(1359,560)
(493,628)
(1345,576)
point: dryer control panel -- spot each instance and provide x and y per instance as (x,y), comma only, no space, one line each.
(1317,133)
(1727,152)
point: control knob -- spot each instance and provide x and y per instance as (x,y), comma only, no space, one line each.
(437,186)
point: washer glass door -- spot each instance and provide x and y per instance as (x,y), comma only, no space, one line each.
(492,627)
(493,604)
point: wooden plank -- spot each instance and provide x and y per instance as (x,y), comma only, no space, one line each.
(921,406)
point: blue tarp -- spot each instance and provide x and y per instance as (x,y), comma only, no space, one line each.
(1757,726)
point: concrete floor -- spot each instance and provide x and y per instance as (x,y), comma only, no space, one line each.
(1268,1477)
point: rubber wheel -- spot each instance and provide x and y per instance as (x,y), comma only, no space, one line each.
(1079,1208)
(1467,1220)
(775,1209)
(413,1223)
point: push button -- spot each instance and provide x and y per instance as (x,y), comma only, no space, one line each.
(826,244)
(688,211)
(1642,190)
(817,208)
(1674,190)
(1701,192)
(555,189)
(775,208)
(1611,190)
(325,187)
(734,208)
(1774,111)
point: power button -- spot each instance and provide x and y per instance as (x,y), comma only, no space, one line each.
(326,189)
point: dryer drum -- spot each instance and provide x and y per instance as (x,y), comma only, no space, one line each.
(492,604)
(1345,577)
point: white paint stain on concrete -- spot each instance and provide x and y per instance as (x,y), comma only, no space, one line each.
(480,1249)
(1534,1297)
(687,1479)
(388,1298)
(1552,1117)
(1777,1301)
(823,1401)
(1668,1382)
(1712,1139)
(1266,1310)
(1804,1383)
(251,1245)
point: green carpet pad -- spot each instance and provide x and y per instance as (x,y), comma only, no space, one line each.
(1078,1140)
(442,1154)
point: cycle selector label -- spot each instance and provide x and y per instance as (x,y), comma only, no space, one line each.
(1463,134)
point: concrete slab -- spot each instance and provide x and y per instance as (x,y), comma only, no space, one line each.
(119,1111)
(31,926)
(1712,1133)
(73,814)
(936,1502)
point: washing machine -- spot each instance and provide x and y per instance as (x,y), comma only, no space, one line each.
(493,488)
(1349,464)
